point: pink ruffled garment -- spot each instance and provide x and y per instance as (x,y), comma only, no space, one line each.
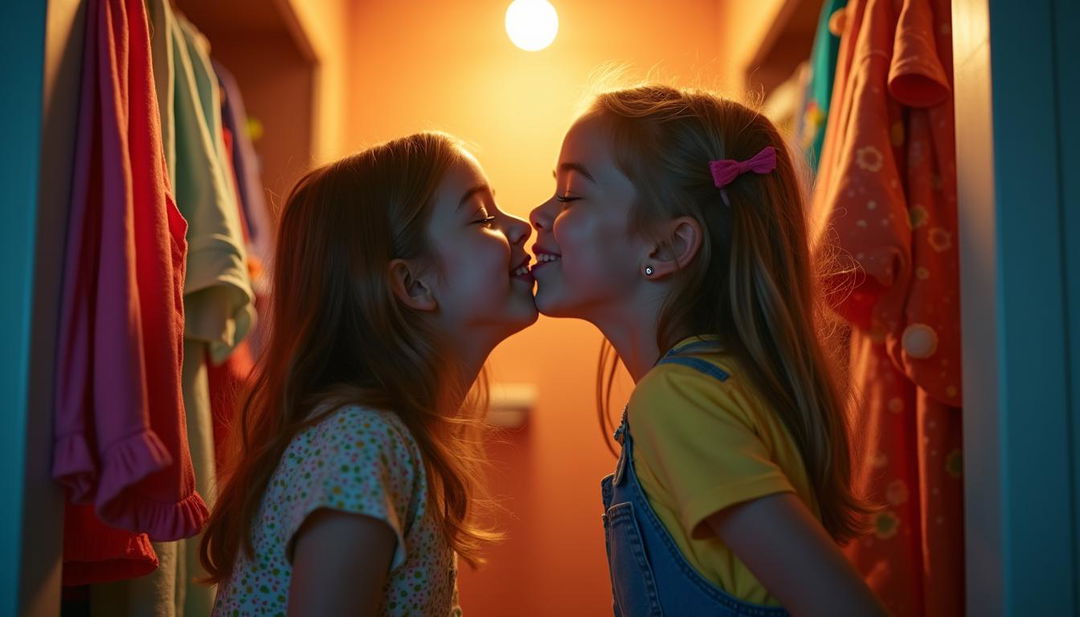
(120,428)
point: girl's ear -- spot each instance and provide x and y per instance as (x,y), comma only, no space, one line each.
(409,288)
(677,244)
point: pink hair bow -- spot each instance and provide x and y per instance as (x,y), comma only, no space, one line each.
(724,172)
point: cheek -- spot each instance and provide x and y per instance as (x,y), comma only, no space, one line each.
(593,249)
(494,259)
(477,265)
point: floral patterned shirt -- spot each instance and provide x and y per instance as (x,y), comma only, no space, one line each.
(355,460)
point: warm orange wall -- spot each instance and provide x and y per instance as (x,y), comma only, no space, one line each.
(324,24)
(741,26)
(449,65)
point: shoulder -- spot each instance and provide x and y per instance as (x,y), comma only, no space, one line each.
(700,443)
(375,426)
(355,460)
(354,435)
(707,387)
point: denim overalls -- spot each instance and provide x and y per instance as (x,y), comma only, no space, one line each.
(649,575)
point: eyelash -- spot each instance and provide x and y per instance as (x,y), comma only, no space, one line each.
(565,198)
(486,221)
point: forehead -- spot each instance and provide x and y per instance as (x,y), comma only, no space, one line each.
(589,143)
(589,136)
(462,174)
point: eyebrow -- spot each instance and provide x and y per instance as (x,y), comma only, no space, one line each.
(578,167)
(479,188)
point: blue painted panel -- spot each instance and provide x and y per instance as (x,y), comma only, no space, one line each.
(22,44)
(1035,429)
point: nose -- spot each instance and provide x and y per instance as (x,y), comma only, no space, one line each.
(542,215)
(517,231)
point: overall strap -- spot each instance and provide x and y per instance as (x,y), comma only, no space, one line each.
(681,355)
(695,347)
(708,368)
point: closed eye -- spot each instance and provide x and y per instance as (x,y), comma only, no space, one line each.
(565,198)
(487,221)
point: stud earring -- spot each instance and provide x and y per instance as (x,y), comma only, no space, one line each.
(648,270)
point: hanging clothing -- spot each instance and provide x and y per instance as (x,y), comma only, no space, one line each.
(246,166)
(227,381)
(224,298)
(120,438)
(97,553)
(887,193)
(810,122)
(217,291)
(170,590)
(257,221)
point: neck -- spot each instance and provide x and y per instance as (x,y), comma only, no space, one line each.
(468,358)
(633,336)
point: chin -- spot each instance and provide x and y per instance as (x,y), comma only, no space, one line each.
(530,321)
(551,307)
(528,315)
(516,315)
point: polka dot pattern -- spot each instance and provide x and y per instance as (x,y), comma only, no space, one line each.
(886,194)
(356,460)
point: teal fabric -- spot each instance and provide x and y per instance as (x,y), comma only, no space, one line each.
(810,123)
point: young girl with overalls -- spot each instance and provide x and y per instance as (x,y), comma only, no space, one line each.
(352,487)
(677,228)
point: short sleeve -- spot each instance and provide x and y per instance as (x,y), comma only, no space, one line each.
(696,441)
(917,77)
(358,461)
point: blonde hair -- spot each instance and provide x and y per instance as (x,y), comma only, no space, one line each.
(753,282)
(339,336)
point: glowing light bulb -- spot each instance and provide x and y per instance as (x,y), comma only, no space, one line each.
(531,24)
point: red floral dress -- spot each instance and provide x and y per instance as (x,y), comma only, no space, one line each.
(886,197)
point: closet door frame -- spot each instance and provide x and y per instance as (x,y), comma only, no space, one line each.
(1018,153)
(20,107)
(44,41)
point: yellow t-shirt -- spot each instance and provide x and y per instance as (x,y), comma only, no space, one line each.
(702,445)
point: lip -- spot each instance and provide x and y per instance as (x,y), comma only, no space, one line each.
(541,264)
(539,250)
(527,276)
(523,262)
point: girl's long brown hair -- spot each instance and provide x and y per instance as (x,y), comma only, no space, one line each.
(339,336)
(754,283)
